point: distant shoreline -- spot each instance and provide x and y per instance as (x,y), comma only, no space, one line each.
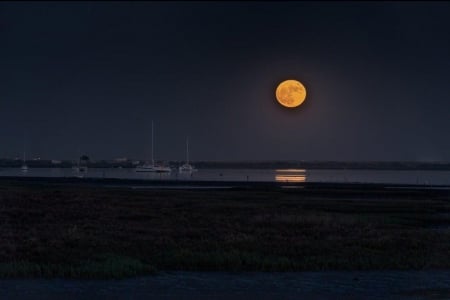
(329,165)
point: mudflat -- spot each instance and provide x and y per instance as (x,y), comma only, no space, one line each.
(87,230)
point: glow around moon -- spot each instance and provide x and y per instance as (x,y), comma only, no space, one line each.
(291,93)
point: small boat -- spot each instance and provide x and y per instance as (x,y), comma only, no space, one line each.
(79,169)
(186,168)
(152,167)
(24,167)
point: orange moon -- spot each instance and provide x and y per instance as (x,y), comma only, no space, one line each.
(291,93)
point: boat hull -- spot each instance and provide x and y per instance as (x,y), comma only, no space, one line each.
(154,169)
(186,168)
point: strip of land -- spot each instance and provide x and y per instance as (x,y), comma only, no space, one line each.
(105,228)
(337,165)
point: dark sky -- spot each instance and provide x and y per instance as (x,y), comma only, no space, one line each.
(93,75)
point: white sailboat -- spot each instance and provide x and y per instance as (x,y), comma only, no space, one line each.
(152,167)
(24,167)
(187,168)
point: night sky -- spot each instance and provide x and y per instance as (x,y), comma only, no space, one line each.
(92,76)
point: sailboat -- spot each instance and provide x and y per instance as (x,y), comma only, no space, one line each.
(24,167)
(187,168)
(147,167)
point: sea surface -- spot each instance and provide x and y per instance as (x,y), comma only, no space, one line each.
(425,177)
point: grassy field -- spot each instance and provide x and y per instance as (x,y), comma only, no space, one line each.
(99,232)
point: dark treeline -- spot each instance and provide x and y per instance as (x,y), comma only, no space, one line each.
(327,165)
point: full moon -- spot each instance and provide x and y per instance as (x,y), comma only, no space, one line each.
(291,93)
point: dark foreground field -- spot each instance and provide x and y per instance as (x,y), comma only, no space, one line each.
(77,230)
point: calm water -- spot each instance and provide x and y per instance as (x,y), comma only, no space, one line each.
(284,175)
(245,286)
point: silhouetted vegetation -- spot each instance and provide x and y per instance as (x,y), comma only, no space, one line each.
(53,230)
(106,266)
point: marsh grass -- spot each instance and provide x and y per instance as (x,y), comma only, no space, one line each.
(94,232)
(232,260)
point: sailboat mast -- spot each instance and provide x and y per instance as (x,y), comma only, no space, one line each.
(153,162)
(24,147)
(187,150)
(24,164)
